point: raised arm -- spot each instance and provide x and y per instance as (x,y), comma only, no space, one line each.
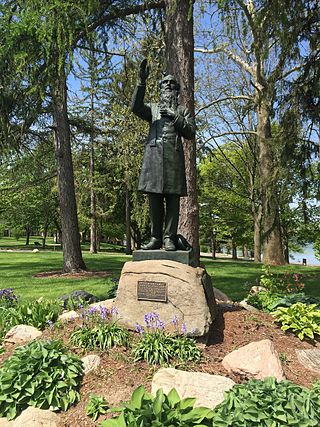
(138,107)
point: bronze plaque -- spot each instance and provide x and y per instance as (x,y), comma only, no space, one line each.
(152,291)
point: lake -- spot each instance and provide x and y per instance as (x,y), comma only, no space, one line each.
(308,254)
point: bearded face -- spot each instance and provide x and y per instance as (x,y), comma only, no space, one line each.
(168,95)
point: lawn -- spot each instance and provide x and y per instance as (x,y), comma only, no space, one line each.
(17,270)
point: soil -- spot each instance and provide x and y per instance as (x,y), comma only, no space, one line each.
(78,275)
(119,375)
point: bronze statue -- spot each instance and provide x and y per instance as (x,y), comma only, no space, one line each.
(163,171)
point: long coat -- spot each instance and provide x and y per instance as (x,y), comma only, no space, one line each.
(163,169)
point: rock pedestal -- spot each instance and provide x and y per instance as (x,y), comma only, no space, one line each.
(169,289)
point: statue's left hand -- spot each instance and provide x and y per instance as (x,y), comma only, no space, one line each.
(167,112)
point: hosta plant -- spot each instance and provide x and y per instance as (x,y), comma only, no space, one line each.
(268,403)
(97,405)
(159,411)
(302,319)
(41,374)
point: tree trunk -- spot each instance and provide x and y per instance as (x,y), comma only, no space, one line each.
(234,251)
(72,256)
(272,243)
(180,63)
(44,235)
(28,236)
(257,234)
(93,202)
(128,224)
(213,244)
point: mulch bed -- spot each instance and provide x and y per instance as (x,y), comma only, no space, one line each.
(119,375)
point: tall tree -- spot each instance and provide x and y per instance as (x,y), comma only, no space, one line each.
(180,62)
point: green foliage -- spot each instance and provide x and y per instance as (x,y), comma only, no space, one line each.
(263,300)
(288,300)
(159,347)
(102,337)
(97,405)
(40,374)
(280,283)
(161,410)
(302,319)
(39,313)
(268,403)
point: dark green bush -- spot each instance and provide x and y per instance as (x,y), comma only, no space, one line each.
(40,374)
(269,403)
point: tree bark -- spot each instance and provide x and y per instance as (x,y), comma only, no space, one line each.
(72,256)
(28,236)
(128,224)
(180,62)
(93,199)
(44,235)
(272,243)
(234,251)
(257,215)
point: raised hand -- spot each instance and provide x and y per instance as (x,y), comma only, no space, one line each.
(144,71)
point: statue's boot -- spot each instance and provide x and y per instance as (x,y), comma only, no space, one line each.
(153,244)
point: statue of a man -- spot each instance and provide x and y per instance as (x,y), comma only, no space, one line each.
(163,171)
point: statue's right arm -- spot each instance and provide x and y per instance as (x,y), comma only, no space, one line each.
(138,107)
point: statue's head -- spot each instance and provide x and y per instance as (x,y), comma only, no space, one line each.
(169,83)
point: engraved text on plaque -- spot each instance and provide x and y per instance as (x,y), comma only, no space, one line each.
(152,291)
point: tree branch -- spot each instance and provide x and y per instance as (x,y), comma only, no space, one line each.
(216,101)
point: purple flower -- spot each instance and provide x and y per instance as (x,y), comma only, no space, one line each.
(104,312)
(139,328)
(184,328)
(159,324)
(175,321)
(114,311)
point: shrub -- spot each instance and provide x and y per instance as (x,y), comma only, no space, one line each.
(161,410)
(97,405)
(268,403)
(40,374)
(290,299)
(284,283)
(302,319)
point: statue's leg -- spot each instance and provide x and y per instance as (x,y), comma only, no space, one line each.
(156,214)
(171,221)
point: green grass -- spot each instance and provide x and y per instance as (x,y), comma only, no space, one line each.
(231,277)
(17,270)
(235,277)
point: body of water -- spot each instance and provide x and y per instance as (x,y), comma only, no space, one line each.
(308,254)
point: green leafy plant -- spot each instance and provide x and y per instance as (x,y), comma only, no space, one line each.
(264,300)
(283,284)
(158,347)
(302,319)
(102,337)
(268,403)
(7,298)
(290,299)
(97,405)
(161,410)
(40,374)
(37,313)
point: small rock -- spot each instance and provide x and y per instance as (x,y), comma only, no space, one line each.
(207,389)
(220,296)
(256,289)
(68,316)
(91,362)
(247,306)
(78,296)
(257,360)
(34,417)
(5,423)
(108,303)
(35,250)
(21,334)
(310,359)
